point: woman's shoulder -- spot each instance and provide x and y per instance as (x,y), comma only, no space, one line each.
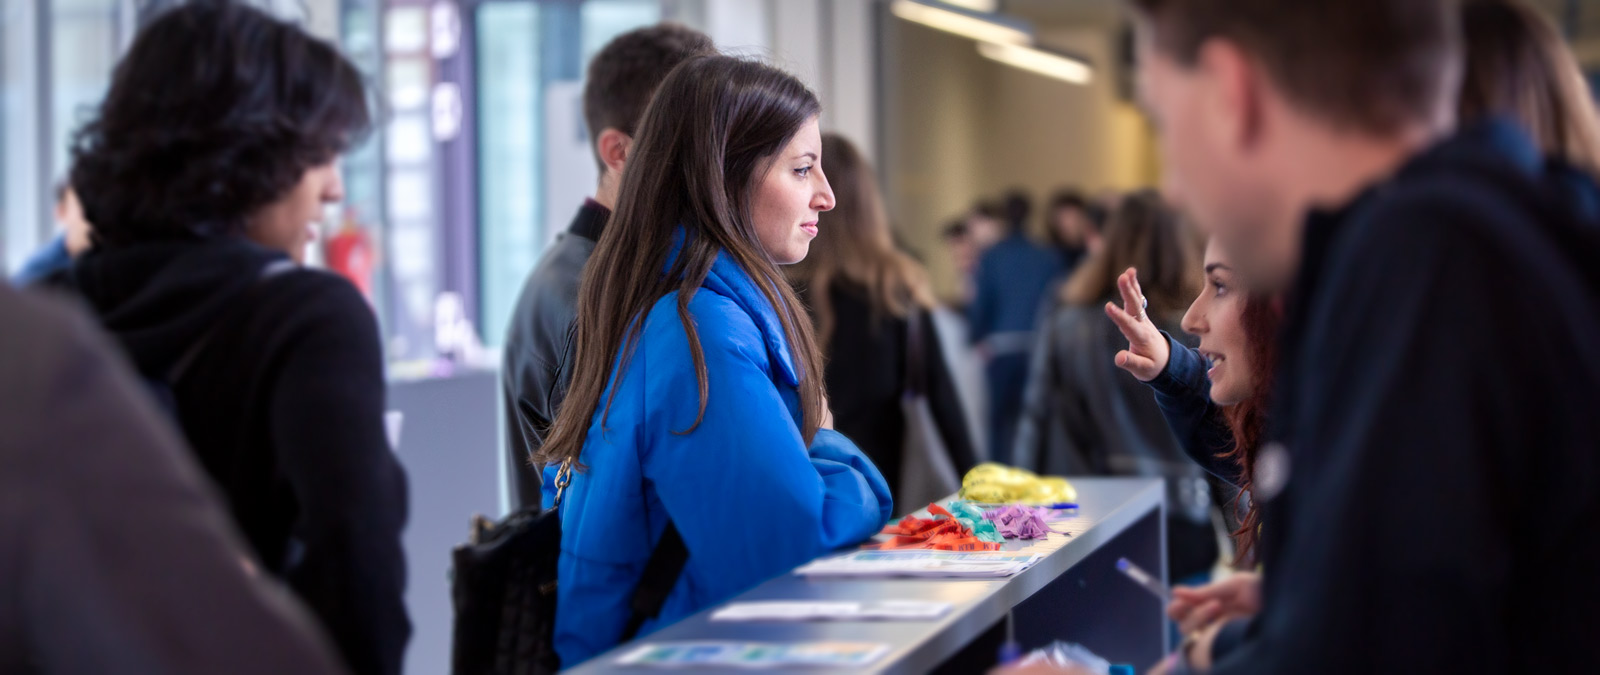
(721,325)
(308,299)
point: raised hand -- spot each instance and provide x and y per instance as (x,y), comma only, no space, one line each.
(1148,351)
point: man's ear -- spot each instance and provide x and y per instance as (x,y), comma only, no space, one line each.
(1238,90)
(613,146)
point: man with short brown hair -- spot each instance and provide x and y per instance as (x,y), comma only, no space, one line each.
(1429,488)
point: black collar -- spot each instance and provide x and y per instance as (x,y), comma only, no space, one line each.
(591,220)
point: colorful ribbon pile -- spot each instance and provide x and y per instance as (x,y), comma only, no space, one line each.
(998,484)
(943,532)
(1021,522)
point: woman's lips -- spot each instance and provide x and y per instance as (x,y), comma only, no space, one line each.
(810,228)
(1216,363)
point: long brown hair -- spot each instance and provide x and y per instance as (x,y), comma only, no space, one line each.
(1145,234)
(1248,418)
(1518,66)
(712,130)
(854,244)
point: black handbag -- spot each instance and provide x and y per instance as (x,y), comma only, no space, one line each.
(503,586)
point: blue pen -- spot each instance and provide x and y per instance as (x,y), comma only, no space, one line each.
(1062,506)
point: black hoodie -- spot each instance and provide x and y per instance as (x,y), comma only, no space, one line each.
(283,404)
(1433,503)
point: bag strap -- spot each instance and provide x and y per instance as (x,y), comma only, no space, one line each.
(916,374)
(661,572)
(660,576)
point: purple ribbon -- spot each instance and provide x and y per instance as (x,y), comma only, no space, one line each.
(1021,522)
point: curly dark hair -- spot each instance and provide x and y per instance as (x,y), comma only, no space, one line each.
(216,111)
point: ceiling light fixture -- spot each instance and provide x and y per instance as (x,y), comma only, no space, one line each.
(986,6)
(982,29)
(1049,64)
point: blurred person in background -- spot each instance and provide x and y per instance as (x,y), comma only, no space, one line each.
(963,251)
(697,419)
(1085,416)
(986,223)
(539,346)
(50,263)
(1518,67)
(1013,278)
(863,295)
(203,199)
(1074,227)
(118,554)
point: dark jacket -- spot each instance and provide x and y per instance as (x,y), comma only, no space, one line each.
(1082,415)
(115,554)
(1438,506)
(1183,393)
(539,348)
(866,375)
(283,404)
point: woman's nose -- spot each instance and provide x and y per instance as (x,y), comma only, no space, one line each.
(823,201)
(1194,319)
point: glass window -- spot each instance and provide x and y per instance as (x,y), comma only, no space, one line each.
(535,162)
(508,155)
(56,59)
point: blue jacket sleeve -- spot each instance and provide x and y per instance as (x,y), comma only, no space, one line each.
(750,499)
(1184,396)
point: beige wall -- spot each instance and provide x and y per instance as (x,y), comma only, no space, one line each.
(958,127)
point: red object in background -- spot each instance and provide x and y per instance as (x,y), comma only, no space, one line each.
(351,254)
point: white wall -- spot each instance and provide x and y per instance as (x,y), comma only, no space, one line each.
(828,44)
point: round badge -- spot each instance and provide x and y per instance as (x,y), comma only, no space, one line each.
(1272,472)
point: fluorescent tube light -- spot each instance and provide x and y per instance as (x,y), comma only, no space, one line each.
(985,6)
(967,25)
(1076,71)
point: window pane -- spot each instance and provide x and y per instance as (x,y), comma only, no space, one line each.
(535,163)
(510,116)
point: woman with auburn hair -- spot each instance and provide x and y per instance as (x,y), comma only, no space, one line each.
(864,293)
(696,413)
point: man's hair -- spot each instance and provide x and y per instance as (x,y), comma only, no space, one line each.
(1069,199)
(1017,206)
(1370,65)
(626,72)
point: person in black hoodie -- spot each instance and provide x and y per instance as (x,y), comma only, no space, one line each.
(1429,478)
(214,150)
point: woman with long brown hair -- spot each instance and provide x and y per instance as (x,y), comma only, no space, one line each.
(864,293)
(696,418)
(1518,67)
(1083,416)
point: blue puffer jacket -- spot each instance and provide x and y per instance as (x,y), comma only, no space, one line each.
(750,499)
